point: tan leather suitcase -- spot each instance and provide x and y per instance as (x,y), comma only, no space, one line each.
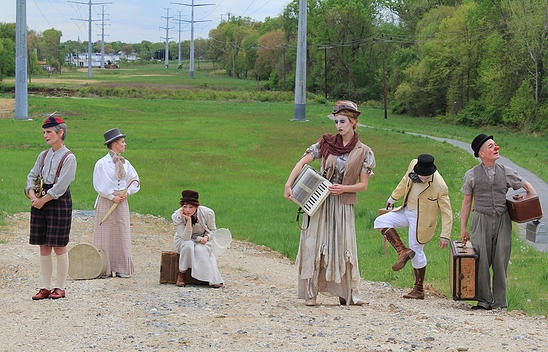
(524,207)
(169,270)
(463,272)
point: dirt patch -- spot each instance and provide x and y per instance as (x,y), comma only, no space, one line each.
(257,309)
(7,108)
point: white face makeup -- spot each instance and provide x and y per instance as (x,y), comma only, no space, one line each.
(343,124)
(489,150)
(189,209)
(52,137)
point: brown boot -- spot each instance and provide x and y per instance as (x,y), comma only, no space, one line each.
(181,279)
(404,253)
(418,291)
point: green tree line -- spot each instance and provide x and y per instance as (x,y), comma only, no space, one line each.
(475,62)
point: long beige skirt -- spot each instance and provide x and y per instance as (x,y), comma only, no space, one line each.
(327,260)
(114,236)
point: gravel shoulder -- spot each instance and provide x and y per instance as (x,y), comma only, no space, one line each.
(257,310)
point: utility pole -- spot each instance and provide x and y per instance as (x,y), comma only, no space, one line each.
(89,20)
(191,65)
(21,88)
(166,53)
(385,89)
(300,71)
(325,47)
(179,21)
(103,36)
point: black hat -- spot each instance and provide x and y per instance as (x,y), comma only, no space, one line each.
(425,165)
(478,142)
(190,197)
(112,135)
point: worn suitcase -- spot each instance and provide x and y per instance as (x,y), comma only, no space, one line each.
(463,271)
(169,270)
(169,267)
(523,207)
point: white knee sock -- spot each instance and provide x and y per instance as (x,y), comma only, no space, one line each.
(62,270)
(46,268)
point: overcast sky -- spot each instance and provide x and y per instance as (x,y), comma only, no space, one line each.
(132,21)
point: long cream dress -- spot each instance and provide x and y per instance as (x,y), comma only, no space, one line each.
(114,235)
(193,254)
(327,260)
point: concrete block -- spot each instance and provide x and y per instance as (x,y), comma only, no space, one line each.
(536,231)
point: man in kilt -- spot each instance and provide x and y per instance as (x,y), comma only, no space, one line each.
(51,211)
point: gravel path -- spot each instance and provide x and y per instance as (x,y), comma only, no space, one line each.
(257,310)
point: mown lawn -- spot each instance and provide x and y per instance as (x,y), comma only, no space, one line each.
(238,156)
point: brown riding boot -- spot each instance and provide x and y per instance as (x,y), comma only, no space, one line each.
(404,253)
(181,279)
(418,291)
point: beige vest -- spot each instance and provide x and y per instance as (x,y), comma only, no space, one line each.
(352,172)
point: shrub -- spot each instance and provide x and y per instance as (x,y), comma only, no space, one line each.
(521,112)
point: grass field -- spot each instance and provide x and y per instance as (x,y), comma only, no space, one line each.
(238,156)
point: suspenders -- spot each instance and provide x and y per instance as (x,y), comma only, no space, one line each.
(60,163)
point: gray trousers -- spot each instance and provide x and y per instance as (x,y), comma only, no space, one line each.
(491,236)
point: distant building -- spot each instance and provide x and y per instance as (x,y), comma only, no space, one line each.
(81,59)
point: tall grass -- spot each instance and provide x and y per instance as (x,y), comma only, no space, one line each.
(238,157)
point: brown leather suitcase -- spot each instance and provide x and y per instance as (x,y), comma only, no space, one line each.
(169,270)
(523,207)
(463,272)
(169,267)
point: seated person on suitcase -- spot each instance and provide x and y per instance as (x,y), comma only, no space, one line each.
(424,195)
(195,223)
(491,228)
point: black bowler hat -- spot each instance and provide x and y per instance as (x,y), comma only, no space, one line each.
(190,197)
(112,135)
(425,165)
(478,142)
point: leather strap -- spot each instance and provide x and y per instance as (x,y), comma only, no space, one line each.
(61,164)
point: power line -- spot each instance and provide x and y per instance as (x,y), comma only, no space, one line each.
(179,21)
(102,36)
(192,21)
(167,38)
(89,3)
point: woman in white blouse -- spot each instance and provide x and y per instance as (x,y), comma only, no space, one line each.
(195,224)
(114,179)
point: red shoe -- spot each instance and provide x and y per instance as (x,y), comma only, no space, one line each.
(43,293)
(57,293)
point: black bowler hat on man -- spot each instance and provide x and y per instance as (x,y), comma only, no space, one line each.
(112,135)
(425,165)
(478,142)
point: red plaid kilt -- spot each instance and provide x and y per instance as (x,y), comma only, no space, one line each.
(50,225)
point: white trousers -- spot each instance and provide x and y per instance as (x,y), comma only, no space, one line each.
(405,218)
